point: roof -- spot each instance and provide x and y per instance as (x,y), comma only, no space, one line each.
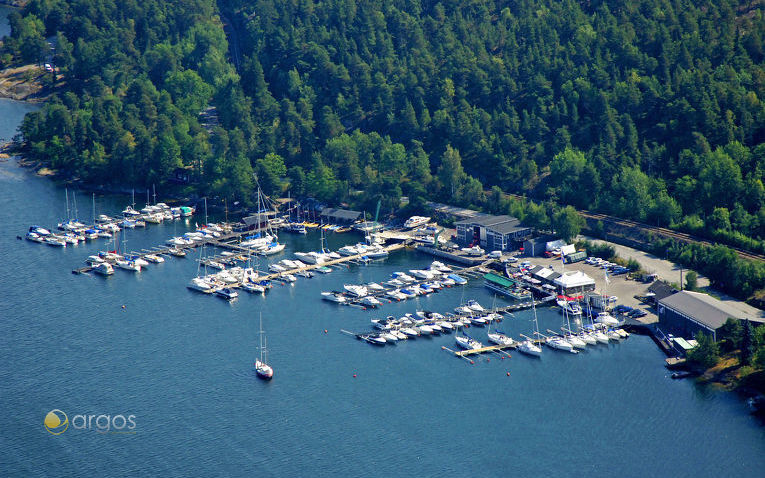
(574,279)
(509,227)
(340,214)
(487,221)
(453,210)
(499,280)
(661,289)
(705,309)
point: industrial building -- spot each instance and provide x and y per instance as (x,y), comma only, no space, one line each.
(493,233)
(685,313)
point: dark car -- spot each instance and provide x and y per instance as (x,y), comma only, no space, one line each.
(637,313)
(622,309)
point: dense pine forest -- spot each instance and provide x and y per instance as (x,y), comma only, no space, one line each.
(650,110)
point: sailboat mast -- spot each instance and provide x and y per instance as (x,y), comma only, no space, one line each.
(155,193)
(205,211)
(68,213)
(74,201)
(94,209)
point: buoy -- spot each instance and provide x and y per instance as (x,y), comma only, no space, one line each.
(325,331)
(508,374)
(354,375)
(472,363)
(488,360)
(123,306)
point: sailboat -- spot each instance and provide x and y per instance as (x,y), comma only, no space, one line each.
(528,346)
(263,370)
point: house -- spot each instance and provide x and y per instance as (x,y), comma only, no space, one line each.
(685,313)
(574,283)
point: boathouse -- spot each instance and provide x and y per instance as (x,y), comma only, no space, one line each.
(339,216)
(686,313)
(493,233)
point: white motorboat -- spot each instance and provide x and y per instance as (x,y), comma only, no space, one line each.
(333,297)
(416,221)
(356,290)
(370,301)
(468,343)
(477,320)
(402,277)
(421,274)
(440,267)
(156,259)
(227,293)
(276,268)
(409,332)
(375,287)
(128,265)
(395,283)
(34,237)
(288,278)
(606,319)
(570,307)
(475,306)
(94,260)
(600,337)
(53,240)
(103,268)
(612,335)
(622,333)
(272,248)
(253,287)
(40,231)
(395,295)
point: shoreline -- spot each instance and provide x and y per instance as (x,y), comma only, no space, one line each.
(22,83)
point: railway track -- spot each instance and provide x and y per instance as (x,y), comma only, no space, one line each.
(659,231)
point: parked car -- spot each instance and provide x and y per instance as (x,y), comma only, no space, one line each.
(623,309)
(637,313)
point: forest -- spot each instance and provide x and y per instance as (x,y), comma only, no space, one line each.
(649,110)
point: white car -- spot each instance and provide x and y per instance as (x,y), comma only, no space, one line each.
(495,254)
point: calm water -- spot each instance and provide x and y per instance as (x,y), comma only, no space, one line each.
(181,362)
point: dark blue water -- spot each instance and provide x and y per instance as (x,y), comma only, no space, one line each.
(181,362)
(5,28)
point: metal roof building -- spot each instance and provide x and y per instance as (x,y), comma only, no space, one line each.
(339,216)
(686,313)
(496,233)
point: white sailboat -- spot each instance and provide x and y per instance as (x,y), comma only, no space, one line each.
(528,346)
(262,368)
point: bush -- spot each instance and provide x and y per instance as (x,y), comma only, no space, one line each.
(706,354)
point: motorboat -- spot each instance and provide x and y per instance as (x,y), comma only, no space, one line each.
(477,320)
(402,277)
(421,274)
(177,252)
(395,283)
(94,260)
(374,339)
(370,301)
(440,267)
(396,295)
(227,293)
(377,252)
(34,237)
(457,279)
(475,306)
(272,248)
(252,287)
(409,331)
(375,287)
(606,319)
(40,231)
(356,290)
(333,297)
(570,307)
(468,343)
(288,278)
(416,221)
(128,265)
(276,268)
(53,240)
(103,268)
(156,259)
(324,269)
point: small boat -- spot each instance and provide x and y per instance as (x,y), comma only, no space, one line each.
(262,368)
(374,339)
(475,306)
(306,274)
(156,259)
(40,231)
(324,269)
(416,221)
(333,297)
(94,260)
(375,287)
(440,266)
(226,293)
(288,278)
(402,277)
(103,268)
(276,268)
(606,319)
